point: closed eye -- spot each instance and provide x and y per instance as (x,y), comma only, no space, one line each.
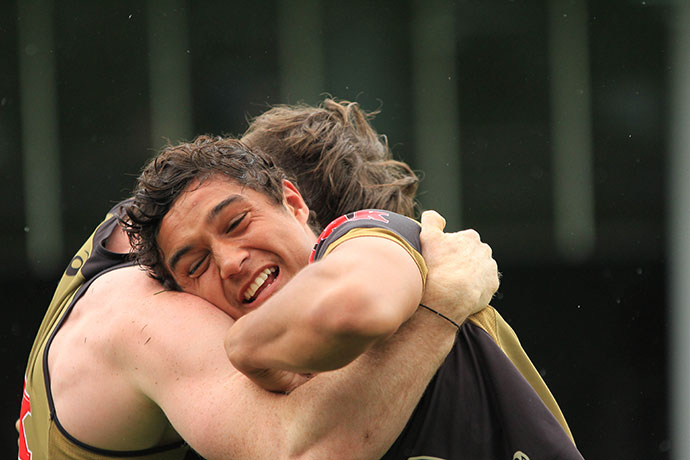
(235,223)
(196,266)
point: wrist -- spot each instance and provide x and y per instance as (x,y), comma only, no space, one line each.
(442,316)
(434,336)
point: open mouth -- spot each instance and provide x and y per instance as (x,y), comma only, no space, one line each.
(261,282)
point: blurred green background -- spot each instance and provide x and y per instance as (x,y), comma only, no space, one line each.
(554,128)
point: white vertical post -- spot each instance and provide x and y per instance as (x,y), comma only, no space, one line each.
(436,113)
(40,139)
(571,134)
(301,51)
(679,235)
(169,72)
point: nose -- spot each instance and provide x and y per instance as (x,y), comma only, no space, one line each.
(229,259)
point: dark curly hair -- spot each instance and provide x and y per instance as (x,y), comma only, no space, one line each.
(335,157)
(170,173)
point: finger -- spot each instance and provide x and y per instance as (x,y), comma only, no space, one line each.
(432,219)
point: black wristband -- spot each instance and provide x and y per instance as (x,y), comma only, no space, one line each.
(441,315)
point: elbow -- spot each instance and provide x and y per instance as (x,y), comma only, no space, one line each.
(234,348)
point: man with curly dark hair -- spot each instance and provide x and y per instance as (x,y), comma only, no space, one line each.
(225,237)
(215,219)
(123,367)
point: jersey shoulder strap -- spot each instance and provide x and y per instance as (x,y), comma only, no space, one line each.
(372,223)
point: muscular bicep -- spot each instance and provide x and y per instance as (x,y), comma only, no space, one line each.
(222,414)
(332,311)
(226,416)
(185,372)
(389,279)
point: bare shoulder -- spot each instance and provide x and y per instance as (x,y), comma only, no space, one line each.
(148,327)
(114,352)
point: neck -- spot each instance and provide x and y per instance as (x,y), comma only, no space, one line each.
(118,241)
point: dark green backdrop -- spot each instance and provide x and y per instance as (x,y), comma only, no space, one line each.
(594,324)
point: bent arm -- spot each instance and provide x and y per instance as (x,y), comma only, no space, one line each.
(330,313)
(354,412)
(358,295)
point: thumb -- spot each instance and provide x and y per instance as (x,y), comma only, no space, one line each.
(432,220)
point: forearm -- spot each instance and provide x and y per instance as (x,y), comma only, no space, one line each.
(329,313)
(302,334)
(375,395)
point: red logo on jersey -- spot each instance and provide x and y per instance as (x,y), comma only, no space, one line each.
(24,451)
(368,214)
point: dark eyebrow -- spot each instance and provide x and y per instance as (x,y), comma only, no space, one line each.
(222,205)
(172,262)
(217,209)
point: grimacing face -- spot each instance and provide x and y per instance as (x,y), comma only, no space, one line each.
(232,245)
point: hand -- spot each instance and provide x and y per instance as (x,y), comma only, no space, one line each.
(462,274)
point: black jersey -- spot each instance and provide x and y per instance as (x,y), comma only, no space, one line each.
(486,401)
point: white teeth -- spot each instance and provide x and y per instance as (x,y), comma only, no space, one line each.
(258,282)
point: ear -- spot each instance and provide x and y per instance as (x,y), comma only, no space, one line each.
(294,202)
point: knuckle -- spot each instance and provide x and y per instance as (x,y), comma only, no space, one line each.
(471,233)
